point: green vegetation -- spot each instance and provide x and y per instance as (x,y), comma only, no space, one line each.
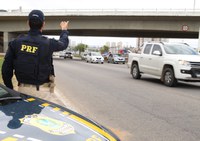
(81,47)
(104,49)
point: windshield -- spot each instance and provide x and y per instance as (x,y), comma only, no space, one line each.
(95,54)
(7,94)
(3,93)
(179,49)
(115,55)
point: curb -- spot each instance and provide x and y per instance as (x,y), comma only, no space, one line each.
(61,99)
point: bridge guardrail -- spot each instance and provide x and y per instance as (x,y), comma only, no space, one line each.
(170,12)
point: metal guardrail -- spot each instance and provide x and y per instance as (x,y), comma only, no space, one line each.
(105,10)
(171,12)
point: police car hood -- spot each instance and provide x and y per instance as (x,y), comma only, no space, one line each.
(33,119)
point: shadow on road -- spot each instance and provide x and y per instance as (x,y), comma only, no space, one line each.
(181,84)
(67,59)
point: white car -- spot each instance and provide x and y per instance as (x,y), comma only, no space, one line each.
(83,55)
(171,62)
(63,54)
(94,57)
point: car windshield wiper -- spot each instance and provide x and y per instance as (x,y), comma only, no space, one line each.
(8,96)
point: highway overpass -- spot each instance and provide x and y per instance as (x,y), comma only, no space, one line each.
(113,23)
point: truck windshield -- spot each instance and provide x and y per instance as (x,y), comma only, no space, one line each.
(179,49)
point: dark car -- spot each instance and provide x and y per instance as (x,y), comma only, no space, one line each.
(27,118)
(63,54)
(68,55)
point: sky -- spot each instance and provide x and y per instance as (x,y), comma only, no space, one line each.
(103,4)
(100,4)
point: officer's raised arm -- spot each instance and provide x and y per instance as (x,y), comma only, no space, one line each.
(62,43)
(64,25)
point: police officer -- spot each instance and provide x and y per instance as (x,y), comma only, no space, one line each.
(30,57)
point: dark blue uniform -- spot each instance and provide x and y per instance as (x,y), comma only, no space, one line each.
(30,57)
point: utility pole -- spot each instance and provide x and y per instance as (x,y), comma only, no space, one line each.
(194,5)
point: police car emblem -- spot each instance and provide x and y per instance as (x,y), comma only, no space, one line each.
(48,124)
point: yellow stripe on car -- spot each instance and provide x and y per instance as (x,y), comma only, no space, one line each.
(30,99)
(94,127)
(10,139)
(65,113)
(45,104)
(56,109)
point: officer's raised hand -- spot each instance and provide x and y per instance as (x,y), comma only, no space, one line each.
(64,25)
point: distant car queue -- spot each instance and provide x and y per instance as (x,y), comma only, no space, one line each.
(96,57)
(93,57)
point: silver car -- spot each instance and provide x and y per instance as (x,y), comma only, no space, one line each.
(94,57)
(115,58)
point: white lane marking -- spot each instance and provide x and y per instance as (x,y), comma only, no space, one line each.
(52,110)
(2,132)
(18,136)
(62,115)
(33,139)
(41,106)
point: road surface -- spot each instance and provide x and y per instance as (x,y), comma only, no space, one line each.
(136,110)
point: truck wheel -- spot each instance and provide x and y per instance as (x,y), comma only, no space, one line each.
(135,71)
(169,78)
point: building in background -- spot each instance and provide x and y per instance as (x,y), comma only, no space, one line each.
(141,41)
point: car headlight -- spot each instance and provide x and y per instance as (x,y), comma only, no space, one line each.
(184,63)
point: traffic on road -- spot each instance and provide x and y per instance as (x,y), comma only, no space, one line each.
(133,109)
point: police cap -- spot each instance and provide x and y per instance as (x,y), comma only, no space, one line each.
(36,15)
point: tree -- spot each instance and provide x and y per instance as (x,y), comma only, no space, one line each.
(81,47)
(104,49)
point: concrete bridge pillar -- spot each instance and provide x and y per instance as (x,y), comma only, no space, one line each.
(7,37)
(199,42)
(5,41)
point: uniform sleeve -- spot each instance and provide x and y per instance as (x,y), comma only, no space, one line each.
(62,43)
(7,67)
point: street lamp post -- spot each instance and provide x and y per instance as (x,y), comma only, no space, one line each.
(194,5)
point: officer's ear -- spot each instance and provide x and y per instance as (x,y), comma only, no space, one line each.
(43,24)
(28,23)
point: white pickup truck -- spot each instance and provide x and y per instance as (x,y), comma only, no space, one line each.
(168,61)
